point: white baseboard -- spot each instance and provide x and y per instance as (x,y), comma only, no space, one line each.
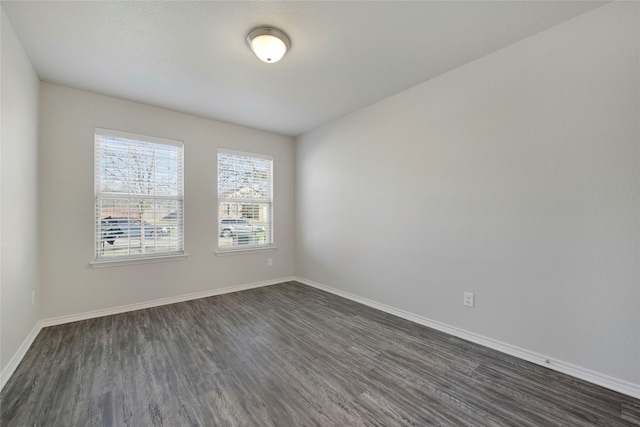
(17,357)
(158,302)
(615,384)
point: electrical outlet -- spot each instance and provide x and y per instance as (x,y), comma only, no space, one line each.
(468,299)
(270,262)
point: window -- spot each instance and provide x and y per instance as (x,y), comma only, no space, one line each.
(138,196)
(245,200)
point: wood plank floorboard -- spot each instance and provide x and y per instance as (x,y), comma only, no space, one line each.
(287,355)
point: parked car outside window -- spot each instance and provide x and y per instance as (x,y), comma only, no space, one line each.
(235,227)
(129,228)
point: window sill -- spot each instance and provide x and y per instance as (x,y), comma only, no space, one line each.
(237,251)
(132,261)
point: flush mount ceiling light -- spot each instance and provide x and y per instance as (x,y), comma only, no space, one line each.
(269,44)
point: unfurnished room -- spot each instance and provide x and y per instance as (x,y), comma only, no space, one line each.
(320,213)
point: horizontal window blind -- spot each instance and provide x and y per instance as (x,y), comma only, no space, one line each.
(139,196)
(245,200)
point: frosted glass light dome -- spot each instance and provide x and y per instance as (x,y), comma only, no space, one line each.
(269,44)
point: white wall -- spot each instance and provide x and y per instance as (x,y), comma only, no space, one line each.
(69,285)
(515,177)
(19,192)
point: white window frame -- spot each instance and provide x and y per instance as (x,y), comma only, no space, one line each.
(100,195)
(268,200)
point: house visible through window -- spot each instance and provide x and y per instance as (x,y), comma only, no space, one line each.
(138,196)
(245,200)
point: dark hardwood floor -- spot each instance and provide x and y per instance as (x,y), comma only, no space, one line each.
(286,355)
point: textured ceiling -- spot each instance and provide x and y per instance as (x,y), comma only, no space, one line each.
(191,56)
